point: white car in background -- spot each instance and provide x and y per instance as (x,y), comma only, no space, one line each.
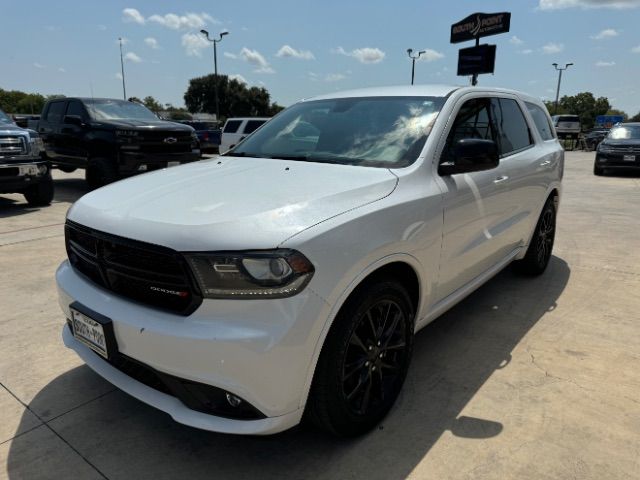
(235,129)
(290,275)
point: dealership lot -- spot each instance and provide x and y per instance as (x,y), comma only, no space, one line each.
(527,378)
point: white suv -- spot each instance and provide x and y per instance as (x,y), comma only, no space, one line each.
(236,129)
(291,274)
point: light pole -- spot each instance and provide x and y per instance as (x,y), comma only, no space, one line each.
(560,70)
(215,67)
(413,61)
(124,90)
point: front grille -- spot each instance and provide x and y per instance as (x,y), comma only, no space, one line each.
(9,172)
(153,275)
(13,145)
(633,150)
(154,142)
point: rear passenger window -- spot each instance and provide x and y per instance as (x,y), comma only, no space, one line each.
(541,120)
(512,128)
(55,112)
(252,125)
(232,126)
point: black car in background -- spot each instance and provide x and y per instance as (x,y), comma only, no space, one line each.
(620,150)
(112,138)
(594,136)
(208,133)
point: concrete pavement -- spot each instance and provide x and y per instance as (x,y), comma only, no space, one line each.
(527,378)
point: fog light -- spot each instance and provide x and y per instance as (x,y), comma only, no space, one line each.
(233,400)
(142,168)
(42,169)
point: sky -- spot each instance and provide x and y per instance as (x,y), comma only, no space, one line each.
(298,49)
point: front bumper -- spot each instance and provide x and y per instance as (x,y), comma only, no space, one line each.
(259,350)
(12,180)
(616,161)
(132,162)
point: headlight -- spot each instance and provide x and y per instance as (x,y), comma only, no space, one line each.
(37,147)
(194,140)
(251,275)
(604,148)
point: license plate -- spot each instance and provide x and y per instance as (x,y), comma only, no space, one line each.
(89,332)
(28,170)
(173,164)
(629,158)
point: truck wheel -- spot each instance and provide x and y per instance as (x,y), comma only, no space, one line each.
(539,252)
(100,172)
(40,194)
(364,360)
(66,169)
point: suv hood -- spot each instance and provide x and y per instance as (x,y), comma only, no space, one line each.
(230,203)
(146,125)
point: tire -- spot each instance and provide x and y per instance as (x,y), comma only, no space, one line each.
(100,172)
(65,169)
(539,252)
(598,171)
(40,194)
(360,372)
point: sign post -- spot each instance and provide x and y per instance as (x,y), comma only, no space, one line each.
(481,58)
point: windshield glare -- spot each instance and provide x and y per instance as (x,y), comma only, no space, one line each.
(4,118)
(118,110)
(369,131)
(625,132)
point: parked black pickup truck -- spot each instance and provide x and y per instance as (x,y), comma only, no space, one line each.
(22,169)
(112,138)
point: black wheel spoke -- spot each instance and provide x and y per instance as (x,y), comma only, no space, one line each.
(366,398)
(396,346)
(355,340)
(352,368)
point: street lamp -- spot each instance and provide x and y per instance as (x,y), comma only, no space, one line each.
(413,61)
(560,70)
(215,67)
(124,90)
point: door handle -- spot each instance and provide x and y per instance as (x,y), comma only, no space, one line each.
(500,179)
(545,163)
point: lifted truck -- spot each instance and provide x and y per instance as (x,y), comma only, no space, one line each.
(22,169)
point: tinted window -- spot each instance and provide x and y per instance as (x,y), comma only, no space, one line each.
(569,118)
(512,128)
(252,125)
(473,121)
(541,121)
(55,112)
(232,126)
(386,132)
(76,108)
(119,110)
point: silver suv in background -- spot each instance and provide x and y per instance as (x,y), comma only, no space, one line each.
(567,126)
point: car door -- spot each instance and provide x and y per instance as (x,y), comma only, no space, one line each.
(474,207)
(72,136)
(49,128)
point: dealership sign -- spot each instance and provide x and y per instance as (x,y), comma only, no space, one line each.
(480,25)
(475,60)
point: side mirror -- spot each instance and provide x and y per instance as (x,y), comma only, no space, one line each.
(471,155)
(73,120)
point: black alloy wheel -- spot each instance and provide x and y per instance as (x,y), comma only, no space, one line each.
(541,247)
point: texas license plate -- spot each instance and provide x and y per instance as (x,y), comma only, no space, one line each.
(89,332)
(173,164)
(629,158)
(28,170)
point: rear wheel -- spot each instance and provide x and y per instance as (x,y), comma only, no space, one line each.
(100,172)
(40,194)
(539,252)
(364,360)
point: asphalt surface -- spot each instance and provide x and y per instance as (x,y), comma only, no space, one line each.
(527,378)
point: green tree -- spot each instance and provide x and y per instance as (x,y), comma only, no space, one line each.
(152,104)
(16,101)
(635,118)
(586,106)
(235,98)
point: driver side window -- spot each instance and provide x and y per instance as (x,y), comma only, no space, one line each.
(472,121)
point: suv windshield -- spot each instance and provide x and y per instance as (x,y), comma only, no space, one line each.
(368,131)
(4,118)
(625,132)
(118,110)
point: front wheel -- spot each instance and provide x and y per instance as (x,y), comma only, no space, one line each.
(539,252)
(40,194)
(100,172)
(364,360)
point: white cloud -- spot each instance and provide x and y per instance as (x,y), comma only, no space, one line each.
(152,42)
(132,57)
(334,77)
(118,76)
(560,4)
(61,70)
(194,43)
(230,55)
(606,33)
(526,51)
(430,55)
(38,65)
(635,49)
(514,40)
(363,55)
(181,22)
(551,48)
(102,28)
(605,64)
(289,51)
(256,59)
(131,15)
(238,78)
